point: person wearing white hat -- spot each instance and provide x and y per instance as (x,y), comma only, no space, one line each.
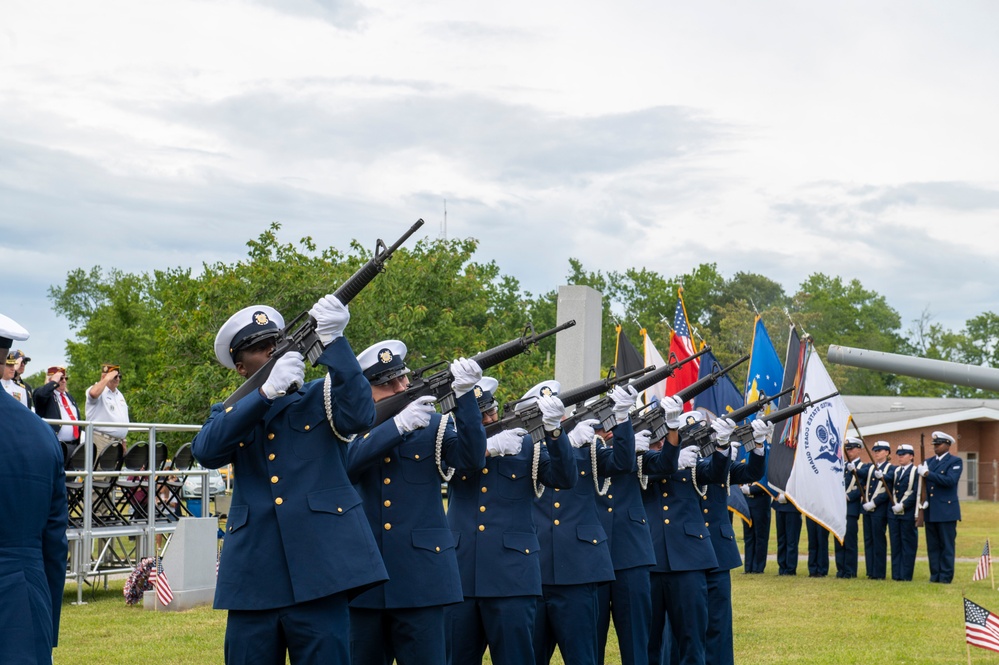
(876,512)
(297,544)
(941,474)
(490,509)
(902,532)
(398,467)
(847,553)
(33,544)
(10,384)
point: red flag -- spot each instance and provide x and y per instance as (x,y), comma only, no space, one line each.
(984,564)
(981,627)
(160,583)
(680,348)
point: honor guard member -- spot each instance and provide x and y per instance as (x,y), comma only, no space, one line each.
(397,467)
(53,402)
(674,506)
(902,519)
(489,510)
(943,510)
(718,639)
(788,535)
(20,365)
(105,403)
(575,552)
(10,384)
(297,542)
(628,597)
(33,545)
(756,536)
(818,548)
(876,512)
(846,553)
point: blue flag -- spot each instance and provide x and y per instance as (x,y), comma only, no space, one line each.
(722,398)
(766,375)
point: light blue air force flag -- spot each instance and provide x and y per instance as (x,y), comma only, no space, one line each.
(766,376)
(815,485)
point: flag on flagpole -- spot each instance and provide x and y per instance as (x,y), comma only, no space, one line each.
(653,357)
(681,347)
(764,378)
(786,431)
(158,578)
(815,485)
(984,564)
(626,356)
(981,627)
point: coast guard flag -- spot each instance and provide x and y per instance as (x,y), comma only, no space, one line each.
(653,357)
(765,376)
(681,347)
(816,482)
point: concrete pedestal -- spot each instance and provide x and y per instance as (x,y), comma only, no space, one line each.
(189,563)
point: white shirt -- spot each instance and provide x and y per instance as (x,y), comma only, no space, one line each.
(16,391)
(109,407)
(66,431)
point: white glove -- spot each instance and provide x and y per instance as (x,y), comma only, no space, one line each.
(507,442)
(762,431)
(879,474)
(642,440)
(850,466)
(687,459)
(582,434)
(288,374)
(869,506)
(416,414)
(672,408)
(723,428)
(925,505)
(552,411)
(922,469)
(733,451)
(745,490)
(624,398)
(781,498)
(466,374)
(331,318)
(897,508)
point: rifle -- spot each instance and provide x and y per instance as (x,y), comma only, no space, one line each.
(603,408)
(743,435)
(702,384)
(529,417)
(921,492)
(438,384)
(705,438)
(300,335)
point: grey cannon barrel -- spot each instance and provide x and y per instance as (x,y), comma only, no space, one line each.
(975,376)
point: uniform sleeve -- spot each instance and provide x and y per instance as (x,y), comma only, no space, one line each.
(661,463)
(55,547)
(712,469)
(468,450)
(748,472)
(353,407)
(618,459)
(949,474)
(556,462)
(368,449)
(216,444)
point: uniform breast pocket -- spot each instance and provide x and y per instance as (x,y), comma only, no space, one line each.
(309,432)
(416,458)
(696,530)
(637,515)
(727,532)
(591,533)
(515,476)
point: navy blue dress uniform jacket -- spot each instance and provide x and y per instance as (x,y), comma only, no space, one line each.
(398,479)
(716,512)
(852,488)
(296,530)
(877,489)
(680,537)
(902,484)
(574,547)
(941,488)
(33,544)
(490,512)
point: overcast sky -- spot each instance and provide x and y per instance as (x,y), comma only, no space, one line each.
(853,138)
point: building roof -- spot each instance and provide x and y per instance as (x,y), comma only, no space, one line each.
(881,415)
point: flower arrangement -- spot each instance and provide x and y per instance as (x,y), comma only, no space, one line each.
(138,581)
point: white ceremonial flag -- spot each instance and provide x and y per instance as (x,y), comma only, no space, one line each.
(815,485)
(652,357)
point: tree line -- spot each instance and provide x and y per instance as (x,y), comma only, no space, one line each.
(160,326)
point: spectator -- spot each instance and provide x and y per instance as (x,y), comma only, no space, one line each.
(105,403)
(10,383)
(53,401)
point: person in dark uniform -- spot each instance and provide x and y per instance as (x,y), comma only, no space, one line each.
(846,553)
(788,535)
(33,545)
(489,510)
(20,365)
(943,510)
(876,512)
(719,648)
(818,548)
(902,519)
(756,537)
(398,467)
(297,542)
(575,552)
(684,554)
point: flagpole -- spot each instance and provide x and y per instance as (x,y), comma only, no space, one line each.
(992,573)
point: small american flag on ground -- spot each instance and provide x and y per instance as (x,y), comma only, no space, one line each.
(164,594)
(984,564)
(981,627)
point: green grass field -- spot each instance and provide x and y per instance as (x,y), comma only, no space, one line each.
(777,619)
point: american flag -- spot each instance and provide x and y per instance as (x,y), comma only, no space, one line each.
(681,347)
(160,583)
(981,627)
(984,564)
